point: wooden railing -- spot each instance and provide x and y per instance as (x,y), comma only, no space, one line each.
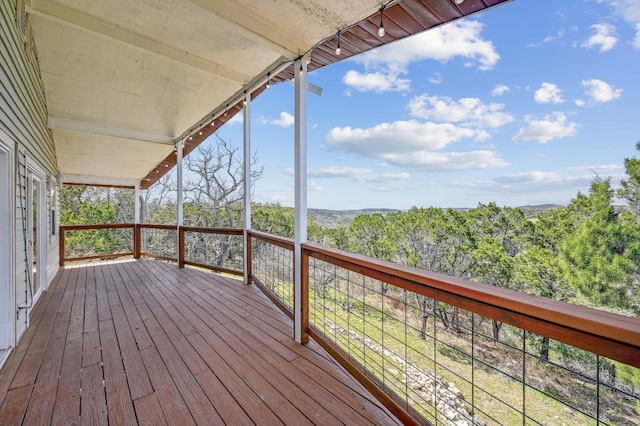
(185,258)
(601,334)
(75,228)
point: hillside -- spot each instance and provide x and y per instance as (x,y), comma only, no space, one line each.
(336,218)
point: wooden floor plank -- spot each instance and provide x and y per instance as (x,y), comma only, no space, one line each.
(119,402)
(93,404)
(40,408)
(137,377)
(143,342)
(173,406)
(14,406)
(149,411)
(11,366)
(199,404)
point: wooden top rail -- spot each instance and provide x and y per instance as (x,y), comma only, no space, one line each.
(603,333)
(283,242)
(222,231)
(102,226)
(153,226)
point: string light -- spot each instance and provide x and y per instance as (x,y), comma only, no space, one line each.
(268,80)
(381,31)
(200,132)
(226,109)
(244,98)
(191,137)
(338,49)
(458,2)
(213,121)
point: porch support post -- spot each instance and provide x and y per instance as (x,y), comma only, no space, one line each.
(179,150)
(247,187)
(180,202)
(136,195)
(300,320)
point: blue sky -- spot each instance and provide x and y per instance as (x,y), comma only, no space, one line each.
(520,105)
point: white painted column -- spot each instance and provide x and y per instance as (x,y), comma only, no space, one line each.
(180,200)
(136,208)
(247,184)
(300,109)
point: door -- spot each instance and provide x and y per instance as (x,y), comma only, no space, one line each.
(35,241)
(7,296)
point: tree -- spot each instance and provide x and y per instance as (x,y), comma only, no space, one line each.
(599,257)
(630,188)
(216,184)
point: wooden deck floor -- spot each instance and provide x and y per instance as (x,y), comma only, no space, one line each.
(143,342)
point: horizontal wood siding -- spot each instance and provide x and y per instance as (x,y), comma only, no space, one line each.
(23,117)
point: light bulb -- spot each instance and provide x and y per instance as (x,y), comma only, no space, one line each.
(190,137)
(200,132)
(381,31)
(244,98)
(458,1)
(225,110)
(213,121)
(338,51)
(268,80)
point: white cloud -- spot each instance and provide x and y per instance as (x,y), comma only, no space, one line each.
(397,137)
(499,90)
(553,126)
(412,145)
(600,91)
(629,10)
(313,186)
(580,102)
(436,78)
(358,174)
(548,93)
(466,111)
(457,39)
(447,161)
(604,37)
(285,120)
(379,81)
(238,118)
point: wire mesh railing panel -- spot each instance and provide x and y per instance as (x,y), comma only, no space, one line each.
(160,242)
(272,266)
(223,252)
(96,242)
(451,366)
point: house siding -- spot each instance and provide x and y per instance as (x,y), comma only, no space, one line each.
(23,119)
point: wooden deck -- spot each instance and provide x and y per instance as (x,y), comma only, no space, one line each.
(143,342)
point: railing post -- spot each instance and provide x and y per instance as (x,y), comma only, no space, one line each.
(61,246)
(137,240)
(181,247)
(304,307)
(249,257)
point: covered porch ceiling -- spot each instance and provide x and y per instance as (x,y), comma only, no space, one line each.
(125,80)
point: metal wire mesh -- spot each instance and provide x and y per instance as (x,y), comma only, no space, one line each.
(272,265)
(214,250)
(452,366)
(160,242)
(93,242)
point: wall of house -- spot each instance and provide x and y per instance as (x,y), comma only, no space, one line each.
(23,120)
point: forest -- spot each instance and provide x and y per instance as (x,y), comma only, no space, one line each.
(587,252)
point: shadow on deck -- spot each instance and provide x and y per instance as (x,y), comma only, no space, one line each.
(129,342)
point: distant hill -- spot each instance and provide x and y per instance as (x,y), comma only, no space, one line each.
(337,218)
